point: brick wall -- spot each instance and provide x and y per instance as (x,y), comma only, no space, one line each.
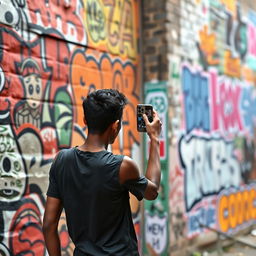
(52,54)
(210,68)
(154,41)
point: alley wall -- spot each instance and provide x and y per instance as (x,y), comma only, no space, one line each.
(52,54)
(210,50)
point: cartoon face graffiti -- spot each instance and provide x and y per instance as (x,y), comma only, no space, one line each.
(29,110)
(12,169)
(32,83)
(33,90)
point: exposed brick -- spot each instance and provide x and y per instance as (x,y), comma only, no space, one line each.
(160,16)
(149,25)
(153,40)
(150,50)
(154,68)
(158,32)
(152,58)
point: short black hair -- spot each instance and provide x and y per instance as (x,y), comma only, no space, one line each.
(102,108)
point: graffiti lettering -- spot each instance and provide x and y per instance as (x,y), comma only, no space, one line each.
(6,142)
(217,153)
(117,75)
(236,208)
(122,20)
(252,41)
(202,216)
(196,95)
(209,166)
(156,232)
(96,20)
(225,104)
(229,108)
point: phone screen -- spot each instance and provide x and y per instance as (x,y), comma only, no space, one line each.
(143,109)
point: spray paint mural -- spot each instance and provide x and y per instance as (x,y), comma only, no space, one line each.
(52,54)
(156,233)
(216,137)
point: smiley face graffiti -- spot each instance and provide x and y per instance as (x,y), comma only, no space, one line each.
(13,178)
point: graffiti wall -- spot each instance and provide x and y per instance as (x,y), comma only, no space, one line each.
(213,130)
(52,54)
(156,213)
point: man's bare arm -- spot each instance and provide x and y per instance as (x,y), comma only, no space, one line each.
(153,172)
(52,214)
(129,170)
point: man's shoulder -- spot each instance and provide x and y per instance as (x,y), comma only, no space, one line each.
(65,153)
(67,150)
(117,156)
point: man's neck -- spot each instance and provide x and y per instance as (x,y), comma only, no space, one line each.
(94,143)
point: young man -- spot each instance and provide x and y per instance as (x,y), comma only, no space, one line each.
(93,185)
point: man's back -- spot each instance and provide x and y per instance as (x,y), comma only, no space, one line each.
(96,205)
(93,187)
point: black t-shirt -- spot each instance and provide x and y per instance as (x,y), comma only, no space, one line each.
(96,205)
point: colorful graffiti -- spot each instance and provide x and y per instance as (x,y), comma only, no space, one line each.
(236,208)
(112,26)
(52,54)
(216,144)
(217,103)
(210,166)
(217,111)
(111,73)
(156,232)
(177,208)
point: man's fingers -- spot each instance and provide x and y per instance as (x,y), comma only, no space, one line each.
(145,119)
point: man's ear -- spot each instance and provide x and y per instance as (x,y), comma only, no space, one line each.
(116,125)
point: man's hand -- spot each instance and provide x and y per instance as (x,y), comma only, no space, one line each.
(153,128)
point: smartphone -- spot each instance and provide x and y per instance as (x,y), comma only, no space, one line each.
(143,109)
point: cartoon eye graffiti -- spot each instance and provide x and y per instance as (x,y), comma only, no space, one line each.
(37,88)
(17,166)
(8,14)
(8,17)
(31,89)
(6,164)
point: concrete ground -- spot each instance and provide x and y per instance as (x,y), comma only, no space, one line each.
(238,249)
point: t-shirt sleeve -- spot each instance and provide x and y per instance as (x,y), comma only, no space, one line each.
(53,190)
(137,187)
